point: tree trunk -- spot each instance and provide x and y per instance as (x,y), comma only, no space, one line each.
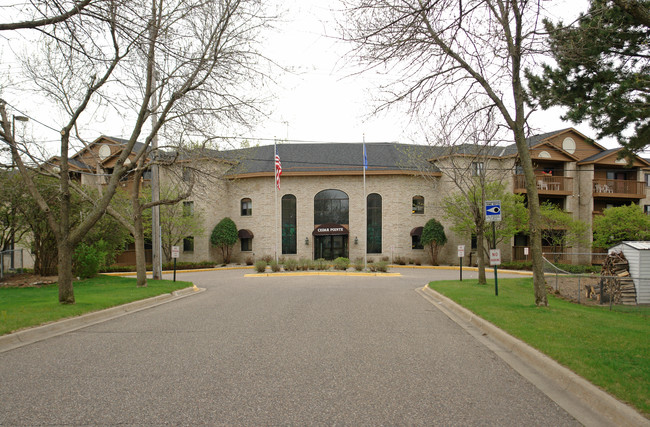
(140,253)
(66,290)
(480,238)
(535,219)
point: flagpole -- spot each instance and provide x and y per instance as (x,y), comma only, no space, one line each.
(275,186)
(365,204)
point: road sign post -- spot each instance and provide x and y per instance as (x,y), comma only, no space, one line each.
(493,215)
(176,252)
(461,254)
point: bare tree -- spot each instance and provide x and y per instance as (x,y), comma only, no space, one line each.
(465,144)
(44,13)
(472,49)
(197,58)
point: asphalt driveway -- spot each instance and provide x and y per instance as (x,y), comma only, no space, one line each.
(265,351)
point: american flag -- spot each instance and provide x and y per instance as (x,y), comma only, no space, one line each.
(278,169)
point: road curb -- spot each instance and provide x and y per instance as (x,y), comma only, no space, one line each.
(598,401)
(39,333)
(322,273)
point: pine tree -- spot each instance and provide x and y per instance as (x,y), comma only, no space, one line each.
(603,71)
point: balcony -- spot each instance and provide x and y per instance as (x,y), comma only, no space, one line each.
(546,185)
(619,188)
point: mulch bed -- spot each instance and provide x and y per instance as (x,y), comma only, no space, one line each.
(26,280)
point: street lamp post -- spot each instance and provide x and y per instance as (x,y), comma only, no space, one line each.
(13,141)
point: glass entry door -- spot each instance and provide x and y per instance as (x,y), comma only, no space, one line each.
(330,247)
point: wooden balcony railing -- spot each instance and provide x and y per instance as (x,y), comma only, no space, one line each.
(620,188)
(546,184)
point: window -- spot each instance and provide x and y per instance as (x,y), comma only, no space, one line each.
(289,239)
(188,208)
(146,175)
(647,180)
(646,209)
(478,168)
(474,242)
(246,207)
(246,244)
(188,244)
(418,205)
(331,206)
(373,230)
(416,242)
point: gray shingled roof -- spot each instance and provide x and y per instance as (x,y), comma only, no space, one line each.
(533,140)
(600,155)
(311,157)
(469,150)
(136,147)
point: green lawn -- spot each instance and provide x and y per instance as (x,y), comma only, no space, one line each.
(24,307)
(609,348)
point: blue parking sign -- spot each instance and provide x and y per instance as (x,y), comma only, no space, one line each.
(492,210)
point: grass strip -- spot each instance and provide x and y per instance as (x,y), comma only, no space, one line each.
(611,349)
(24,307)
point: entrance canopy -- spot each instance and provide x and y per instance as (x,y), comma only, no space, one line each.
(330,229)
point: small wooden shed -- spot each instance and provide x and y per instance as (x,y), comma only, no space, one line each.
(638,257)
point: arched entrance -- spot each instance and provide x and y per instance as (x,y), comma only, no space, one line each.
(331,222)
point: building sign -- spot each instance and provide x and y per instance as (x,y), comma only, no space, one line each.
(495,257)
(330,230)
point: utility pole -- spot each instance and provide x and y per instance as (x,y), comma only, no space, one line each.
(156,244)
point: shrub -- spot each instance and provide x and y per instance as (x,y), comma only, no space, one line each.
(249,260)
(281,260)
(290,264)
(224,236)
(304,264)
(418,261)
(267,258)
(275,266)
(411,261)
(260,266)
(341,263)
(358,264)
(434,237)
(382,266)
(399,260)
(87,259)
(385,258)
(321,264)
(516,265)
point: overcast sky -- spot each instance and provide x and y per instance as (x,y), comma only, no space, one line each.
(321,100)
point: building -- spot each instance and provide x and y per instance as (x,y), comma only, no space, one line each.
(323,210)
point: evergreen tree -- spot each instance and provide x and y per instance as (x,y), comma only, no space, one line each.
(603,71)
(433,236)
(224,236)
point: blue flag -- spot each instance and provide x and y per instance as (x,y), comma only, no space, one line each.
(365,158)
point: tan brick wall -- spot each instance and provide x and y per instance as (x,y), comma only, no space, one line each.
(397,192)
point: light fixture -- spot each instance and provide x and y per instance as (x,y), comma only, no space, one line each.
(306,240)
(356,240)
